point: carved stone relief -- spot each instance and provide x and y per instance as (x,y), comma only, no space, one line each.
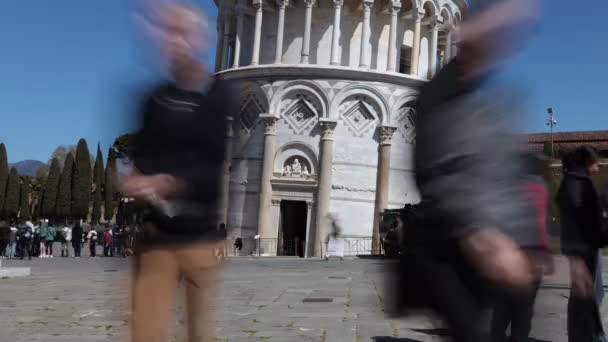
(406,122)
(359,115)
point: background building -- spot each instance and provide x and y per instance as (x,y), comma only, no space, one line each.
(326,119)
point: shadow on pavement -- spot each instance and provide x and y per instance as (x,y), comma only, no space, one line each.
(393,339)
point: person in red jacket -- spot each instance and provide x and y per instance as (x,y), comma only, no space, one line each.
(518,310)
(107,242)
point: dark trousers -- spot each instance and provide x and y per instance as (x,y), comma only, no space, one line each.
(48,247)
(107,250)
(584,319)
(77,247)
(92,248)
(448,285)
(516,311)
(25,249)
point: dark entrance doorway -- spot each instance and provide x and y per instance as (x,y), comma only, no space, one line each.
(292,232)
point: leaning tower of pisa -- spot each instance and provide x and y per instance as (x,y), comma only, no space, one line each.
(326,119)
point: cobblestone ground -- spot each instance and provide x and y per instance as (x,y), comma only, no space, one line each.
(87,300)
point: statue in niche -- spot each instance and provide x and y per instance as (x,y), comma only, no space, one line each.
(287,171)
(296,168)
(305,172)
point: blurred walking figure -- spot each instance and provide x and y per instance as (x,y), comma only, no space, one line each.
(43,231)
(518,311)
(66,239)
(107,243)
(92,237)
(77,236)
(178,161)
(583,234)
(472,219)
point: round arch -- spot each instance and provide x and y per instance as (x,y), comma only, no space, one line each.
(296,149)
(309,87)
(362,90)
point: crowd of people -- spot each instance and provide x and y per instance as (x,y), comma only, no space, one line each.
(22,239)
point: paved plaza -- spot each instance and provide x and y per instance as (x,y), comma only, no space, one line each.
(263,300)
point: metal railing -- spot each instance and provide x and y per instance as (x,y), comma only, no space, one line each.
(353,246)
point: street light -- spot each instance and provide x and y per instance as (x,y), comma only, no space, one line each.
(551,122)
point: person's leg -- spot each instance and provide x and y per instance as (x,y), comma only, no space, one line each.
(523,312)
(28,248)
(445,285)
(501,318)
(155,281)
(201,263)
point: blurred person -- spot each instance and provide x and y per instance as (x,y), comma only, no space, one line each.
(583,234)
(92,237)
(178,166)
(43,231)
(472,218)
(77,236)
(107,243)
(24,241)
(12,243)
(51,235)
(518,311)
(5,231)
(66,233)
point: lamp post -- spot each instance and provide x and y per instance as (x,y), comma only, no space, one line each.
(551,122)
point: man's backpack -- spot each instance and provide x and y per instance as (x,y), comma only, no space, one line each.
(27,234)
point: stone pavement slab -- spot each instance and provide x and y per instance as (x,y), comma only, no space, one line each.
(282,300)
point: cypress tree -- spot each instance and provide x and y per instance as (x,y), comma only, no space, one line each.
(50,190)
(3,176)
(64,195)
(109,186)
(24,208)
(98,178)
(11,203)
(81,181)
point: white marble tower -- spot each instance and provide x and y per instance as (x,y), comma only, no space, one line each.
(326,111)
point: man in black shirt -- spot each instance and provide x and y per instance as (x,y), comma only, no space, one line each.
(178,167)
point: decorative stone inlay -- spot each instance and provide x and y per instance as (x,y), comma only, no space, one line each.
(359,118)
(300,115)
(406,122)
(249,114)
(386,134)
(327,128)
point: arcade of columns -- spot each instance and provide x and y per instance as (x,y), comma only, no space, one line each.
(327,127)
(435,24)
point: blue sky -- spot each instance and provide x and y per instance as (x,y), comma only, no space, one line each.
(67,69)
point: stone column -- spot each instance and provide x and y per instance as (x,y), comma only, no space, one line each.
(226,42)
(447,53)
(382,182)
(240,12)
(257,35)
(392,39)
(309,233)
(433,49)
(364,55)
(307,24)
(416,43)
(224,199)
(325,173)
(264,213)
(278,56)
(335,38)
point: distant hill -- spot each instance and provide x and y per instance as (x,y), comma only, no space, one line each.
(27,167)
